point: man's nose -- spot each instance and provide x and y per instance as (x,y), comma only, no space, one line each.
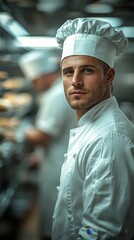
(77,80)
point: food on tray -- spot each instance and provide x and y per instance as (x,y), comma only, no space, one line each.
(9,122)
(12,84)
(18,100)
(5,105)
(3,75)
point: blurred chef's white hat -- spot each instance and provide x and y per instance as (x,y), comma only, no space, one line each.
(91,37)
(39,62)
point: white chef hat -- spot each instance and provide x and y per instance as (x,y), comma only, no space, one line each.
(91,37)
(38,62)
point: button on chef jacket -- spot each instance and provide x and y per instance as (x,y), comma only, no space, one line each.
(96,192)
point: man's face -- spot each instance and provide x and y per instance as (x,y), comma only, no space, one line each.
(85,83)
(41,83)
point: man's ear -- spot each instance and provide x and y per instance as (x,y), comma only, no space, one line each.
(110,74)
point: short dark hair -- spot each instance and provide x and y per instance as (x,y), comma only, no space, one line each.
(105,67)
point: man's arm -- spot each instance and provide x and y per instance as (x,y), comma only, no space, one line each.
(37,137)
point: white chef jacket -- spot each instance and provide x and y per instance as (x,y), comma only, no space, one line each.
(56,118)
(96,193)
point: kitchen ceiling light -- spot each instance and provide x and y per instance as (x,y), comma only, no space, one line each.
(36,42)
(12,26)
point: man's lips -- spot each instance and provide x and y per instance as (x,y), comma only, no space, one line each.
(77,92)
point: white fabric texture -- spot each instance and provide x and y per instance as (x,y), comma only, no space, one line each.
(91,37)
(96,195)
(36,63)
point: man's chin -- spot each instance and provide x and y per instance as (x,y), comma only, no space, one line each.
(75,106)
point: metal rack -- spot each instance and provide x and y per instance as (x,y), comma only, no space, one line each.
(15,181)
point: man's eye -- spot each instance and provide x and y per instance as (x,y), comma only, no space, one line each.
(87,70)
(68,73)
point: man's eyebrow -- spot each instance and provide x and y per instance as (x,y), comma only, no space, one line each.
(81,66)
(87,65)
(67,68)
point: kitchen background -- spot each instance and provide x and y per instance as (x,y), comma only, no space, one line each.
(28,24)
